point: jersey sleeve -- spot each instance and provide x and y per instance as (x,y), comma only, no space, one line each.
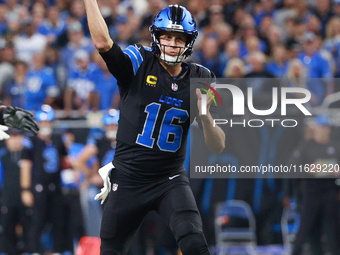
(119,65)
(124,64)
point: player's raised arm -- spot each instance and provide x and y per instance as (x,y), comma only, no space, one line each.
(98,28)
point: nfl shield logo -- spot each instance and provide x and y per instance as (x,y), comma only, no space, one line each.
(174,87)
(114,186)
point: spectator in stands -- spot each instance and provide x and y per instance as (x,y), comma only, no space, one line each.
(38,15)
(224,34)
(302,10)
(263,32)
(13,9)
(7,56)
(106,88)
(299,30)
(53,26)
(323,13)
(274,37)
(252,44)
(296,75)
(3,19)
(246,31)
(256,61)
(332,41)
(287,12)
(15,91)
(232,50)
(278,66)
(332,32)
(41,84)
(235,68)
(336,7)
(326,54)
(80,84)
(29,43)
(266,8)
(53,61)
(77,10)
(77,41)
(317,67)
(314,25)
(210,57)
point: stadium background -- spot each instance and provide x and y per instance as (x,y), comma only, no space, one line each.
(47,57)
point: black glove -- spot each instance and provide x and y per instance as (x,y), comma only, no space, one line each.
(18,118)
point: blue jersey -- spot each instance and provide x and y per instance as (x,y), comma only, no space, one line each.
(82,81)
(317,67)
(67,54)
(46,28)
(244,50)
(276,70)
(106,86)
(16,92)
(40,85)
(3,27)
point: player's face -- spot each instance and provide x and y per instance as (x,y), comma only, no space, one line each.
(13,143)
(309,47)
(45,128)
(174,43)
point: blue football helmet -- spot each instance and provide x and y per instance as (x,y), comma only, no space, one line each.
(46,113)
(112,117)
(173,18)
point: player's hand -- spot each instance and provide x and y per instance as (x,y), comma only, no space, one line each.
(3,134)
(18,118)
(27,198)
(104,172)
(199,102)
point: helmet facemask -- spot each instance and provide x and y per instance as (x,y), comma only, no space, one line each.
(172,60)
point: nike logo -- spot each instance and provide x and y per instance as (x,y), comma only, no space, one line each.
(173,177)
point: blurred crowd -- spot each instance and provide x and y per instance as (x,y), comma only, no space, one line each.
(47,57)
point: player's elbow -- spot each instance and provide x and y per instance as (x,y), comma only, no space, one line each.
(103,45)
(218,148)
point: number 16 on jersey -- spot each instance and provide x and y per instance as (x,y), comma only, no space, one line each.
(170,134)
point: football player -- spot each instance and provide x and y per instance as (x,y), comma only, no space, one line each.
(40,182)
(148,166)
